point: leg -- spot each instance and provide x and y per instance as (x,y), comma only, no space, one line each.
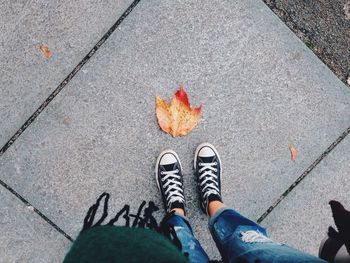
(184,237)
(237,238)
(242,240)
(175,225)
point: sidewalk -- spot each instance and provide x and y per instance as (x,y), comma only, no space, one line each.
(260,86)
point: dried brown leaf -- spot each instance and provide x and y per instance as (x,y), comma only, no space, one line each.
(45,50)
(293,152)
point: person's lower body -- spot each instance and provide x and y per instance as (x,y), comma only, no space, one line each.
(184,238)
(242,240)
(237,238)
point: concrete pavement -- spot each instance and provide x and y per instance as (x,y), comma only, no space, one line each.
(261,89)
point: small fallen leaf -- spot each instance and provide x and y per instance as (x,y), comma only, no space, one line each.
(293,152)
(67,120)
(177,117)
(45,50)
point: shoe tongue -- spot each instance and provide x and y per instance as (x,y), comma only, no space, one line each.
(209,159)
(169,167)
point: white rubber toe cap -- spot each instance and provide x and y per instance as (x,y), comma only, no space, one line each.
(206,152)
(167,158)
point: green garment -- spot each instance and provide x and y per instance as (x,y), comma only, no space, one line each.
(110,244)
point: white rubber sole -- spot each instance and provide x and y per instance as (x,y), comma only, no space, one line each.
(158,160)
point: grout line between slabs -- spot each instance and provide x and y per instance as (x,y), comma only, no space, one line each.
(30,206)
(68,78)
(47,102)
(304,174)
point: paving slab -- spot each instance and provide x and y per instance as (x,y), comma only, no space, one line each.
(260,87)
(69,28)
(26,237)
(303,218)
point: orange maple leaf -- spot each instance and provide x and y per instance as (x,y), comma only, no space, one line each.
(177,117)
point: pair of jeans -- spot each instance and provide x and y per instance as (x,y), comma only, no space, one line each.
(228,229)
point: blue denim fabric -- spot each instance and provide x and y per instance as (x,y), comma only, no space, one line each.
(226,227)
(190,245)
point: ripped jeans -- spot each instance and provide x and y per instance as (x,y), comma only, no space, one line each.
(237,238)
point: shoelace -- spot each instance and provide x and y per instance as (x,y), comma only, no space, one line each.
(173,188)
(254,236)
(211,187)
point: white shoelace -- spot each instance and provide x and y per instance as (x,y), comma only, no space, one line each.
(252,236)
(212,187)
(173,188)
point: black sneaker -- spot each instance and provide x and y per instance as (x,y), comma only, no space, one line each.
(207,167)
(169,179)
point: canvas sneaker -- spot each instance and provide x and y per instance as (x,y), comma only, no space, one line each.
(170,181)
(207,167)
